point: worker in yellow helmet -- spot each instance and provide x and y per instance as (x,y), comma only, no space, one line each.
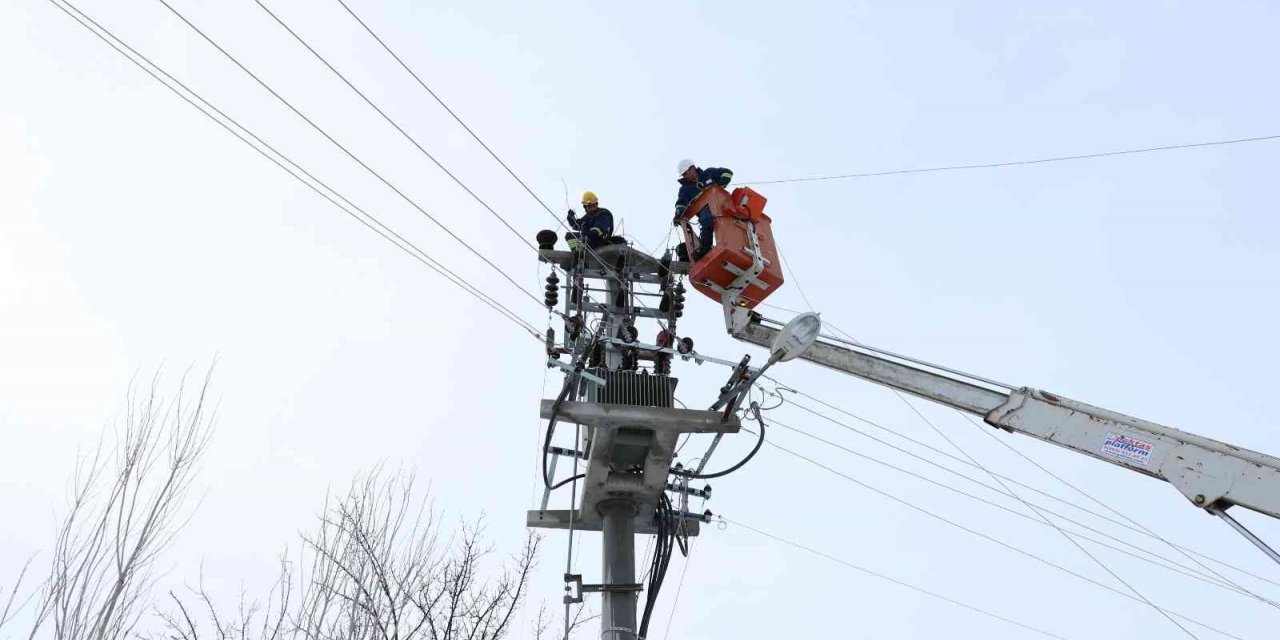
(594,228)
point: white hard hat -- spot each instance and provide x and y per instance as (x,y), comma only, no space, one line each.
(683,166)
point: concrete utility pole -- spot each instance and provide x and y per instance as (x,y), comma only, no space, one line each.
(618,611)
(620,389)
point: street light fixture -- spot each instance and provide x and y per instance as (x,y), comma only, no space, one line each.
(796,337)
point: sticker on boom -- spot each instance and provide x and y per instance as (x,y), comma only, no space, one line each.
(1127,448)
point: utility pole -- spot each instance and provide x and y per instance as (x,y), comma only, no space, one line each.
(618,611)
(621,391)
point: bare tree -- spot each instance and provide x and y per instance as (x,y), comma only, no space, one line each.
(376,567)
(127,503)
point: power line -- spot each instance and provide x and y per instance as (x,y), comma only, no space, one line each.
(1171,566)
(413,140)
(1104,505)
(347,151)
(450,111)
(1016,163)
(876,574)
(990,538)
(484,145)
(926,446)
(372,223)
(791,274)
(1040,514)
(393,123)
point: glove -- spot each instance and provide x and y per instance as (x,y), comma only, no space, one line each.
(678,218)
(572,217)
(574,243)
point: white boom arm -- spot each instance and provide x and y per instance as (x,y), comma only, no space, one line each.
(1213,475)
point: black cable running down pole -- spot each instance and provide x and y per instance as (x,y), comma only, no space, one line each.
(569,384)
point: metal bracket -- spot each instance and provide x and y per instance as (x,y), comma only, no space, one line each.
(705,516)
(570,595)
(634,587)
(574,589)
(568,368)
(704,493)
(739,271)
(561,451)
(699,358)
(746,277)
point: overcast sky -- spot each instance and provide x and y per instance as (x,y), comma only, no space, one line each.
(136,234)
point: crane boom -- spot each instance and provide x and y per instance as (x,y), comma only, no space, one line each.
(1213,475)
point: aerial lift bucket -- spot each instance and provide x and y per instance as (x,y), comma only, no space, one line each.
(742,268)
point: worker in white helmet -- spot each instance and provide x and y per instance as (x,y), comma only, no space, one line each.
(692,181)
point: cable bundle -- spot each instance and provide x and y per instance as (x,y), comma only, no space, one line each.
(671,534)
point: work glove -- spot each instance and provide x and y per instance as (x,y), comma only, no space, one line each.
(678,218)
(572,217)
(574,244)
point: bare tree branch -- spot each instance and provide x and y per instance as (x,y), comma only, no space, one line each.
(374,568)
(127,502)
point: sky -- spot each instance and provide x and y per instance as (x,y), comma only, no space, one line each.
(137,235)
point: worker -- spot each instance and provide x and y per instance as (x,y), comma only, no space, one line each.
(594,228)
(692,181)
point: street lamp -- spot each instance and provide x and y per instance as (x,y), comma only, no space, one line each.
(796,337)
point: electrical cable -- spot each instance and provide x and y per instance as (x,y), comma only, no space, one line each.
(1104,505)
(348,152)
(537,438)
(786,264)
(570,383)
(972,480)
(755,408)
(668,532)
(989,538)
(441,102)
(993,165)
(1171,566)
(1073,541)
(907,585)
(393,123)
(208,109)
(587,248)
(675,602)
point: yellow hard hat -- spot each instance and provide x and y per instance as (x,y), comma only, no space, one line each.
(590,197)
